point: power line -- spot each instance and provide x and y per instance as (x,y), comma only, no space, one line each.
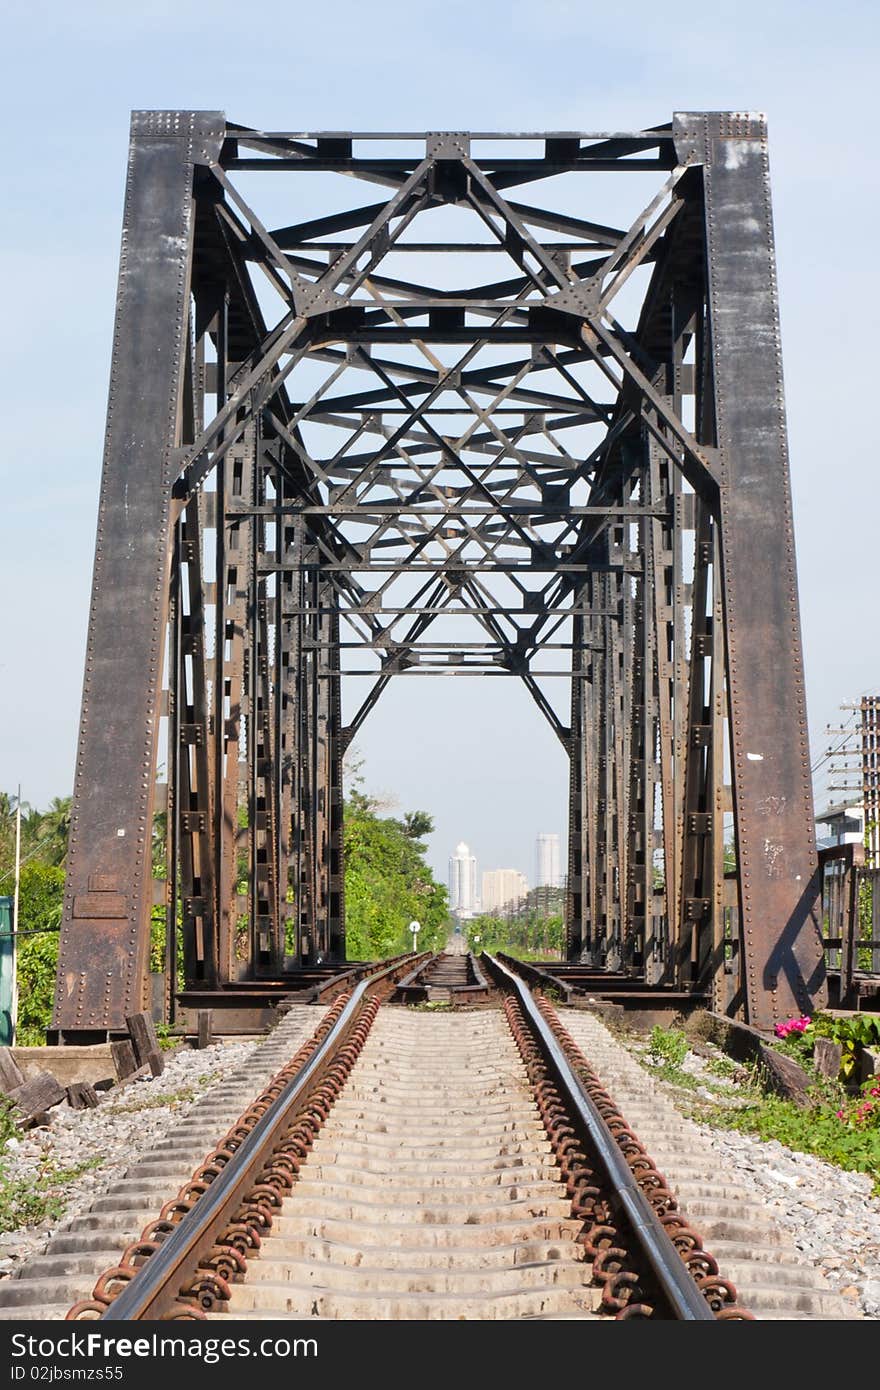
(830,752)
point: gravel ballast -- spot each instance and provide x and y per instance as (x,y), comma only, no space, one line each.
(127,1122)
(81,1154)
(830,1214)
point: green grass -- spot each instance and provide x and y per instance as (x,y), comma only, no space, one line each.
(28,1201)
(170,1098)
(723,1067)
(8,1122)
(667,1046)
(751,1109)
(815,1130)
(674,1076)
(168,1041)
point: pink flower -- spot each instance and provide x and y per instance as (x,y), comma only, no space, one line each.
(792,1025)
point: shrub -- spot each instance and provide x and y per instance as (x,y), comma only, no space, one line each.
(667,1046)
(42,887)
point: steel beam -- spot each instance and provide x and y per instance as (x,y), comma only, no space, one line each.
(776,848)
(108,893)
(277,498)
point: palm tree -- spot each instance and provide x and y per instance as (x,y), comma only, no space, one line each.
(55,831)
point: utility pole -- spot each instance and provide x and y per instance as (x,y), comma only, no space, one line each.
(859,756)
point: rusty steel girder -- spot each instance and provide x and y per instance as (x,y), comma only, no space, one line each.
(561,435)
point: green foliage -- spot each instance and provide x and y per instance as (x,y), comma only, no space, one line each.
(388,884)
(532,934)
(159,845)
(44,835)
(8,1121)
(158,922)
(167,1040)
(667,1046)
(723,1067)
(862,1029)
(417,824)
(27,1201)
(42,889)
(853,1033)
(798,1046)
(819,1130)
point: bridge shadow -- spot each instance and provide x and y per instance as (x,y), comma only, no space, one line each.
(792,957)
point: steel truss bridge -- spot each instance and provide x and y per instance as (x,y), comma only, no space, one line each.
(408,404)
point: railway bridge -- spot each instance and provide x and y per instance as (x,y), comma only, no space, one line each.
(390,405)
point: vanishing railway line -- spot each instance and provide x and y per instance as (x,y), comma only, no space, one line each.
(406,1164)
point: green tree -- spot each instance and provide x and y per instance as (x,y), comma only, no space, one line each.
(54,831)
(417,824)
(8,805)
(530,934)
(42,889)
(44,835)
(388,884)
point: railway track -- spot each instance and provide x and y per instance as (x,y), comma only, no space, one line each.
(412,1165)
(449,977)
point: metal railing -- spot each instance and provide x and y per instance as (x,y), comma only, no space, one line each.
(850,914)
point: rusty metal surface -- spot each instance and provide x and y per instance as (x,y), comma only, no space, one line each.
(105,928)
(326,493)
(776,852)
(180,1266)
(648,1259)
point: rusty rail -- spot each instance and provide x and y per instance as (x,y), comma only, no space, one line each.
(326,992)
(565,1100)
(181,1265)
(536,978)
(416,986)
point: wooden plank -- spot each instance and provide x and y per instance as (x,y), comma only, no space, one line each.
(826,1057)
(11,1075)
(139,1074)
(81,1096)
(142,1031)
(38,1095)
(124,1060)
(205,1028)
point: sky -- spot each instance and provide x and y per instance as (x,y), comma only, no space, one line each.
(476,754)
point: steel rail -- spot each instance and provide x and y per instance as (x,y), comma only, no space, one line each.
(413,988)
(534,976)
(667,1266)
(156,1285)
(330,988)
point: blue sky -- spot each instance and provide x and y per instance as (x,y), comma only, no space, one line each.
(475,753)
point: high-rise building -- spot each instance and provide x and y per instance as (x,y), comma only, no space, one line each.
(462,882)
(503,888)
(548,868)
